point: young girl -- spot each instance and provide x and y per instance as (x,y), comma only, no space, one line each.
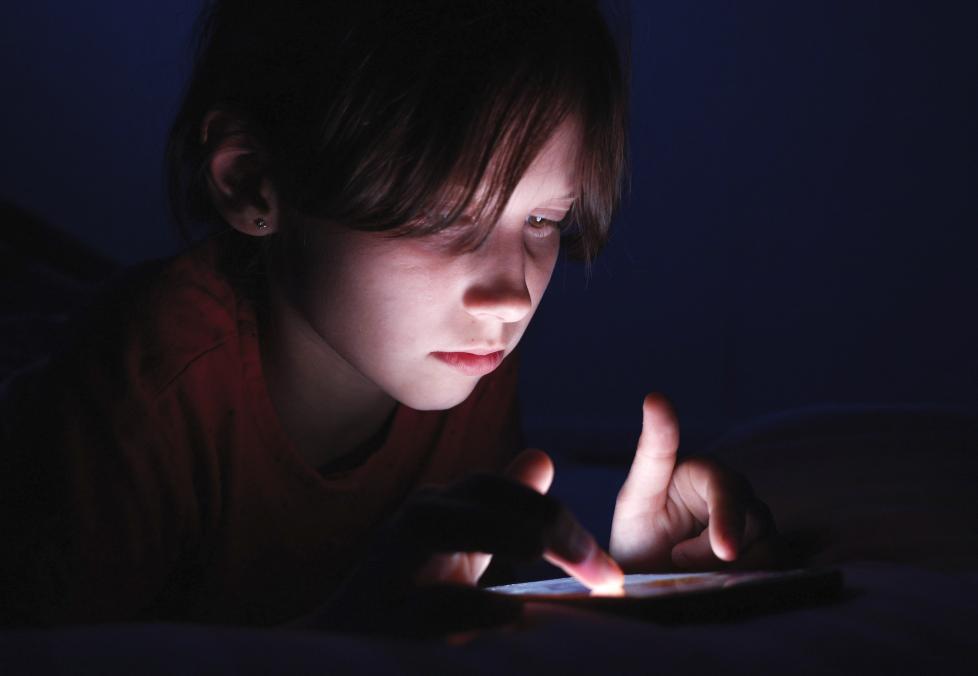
(240,434)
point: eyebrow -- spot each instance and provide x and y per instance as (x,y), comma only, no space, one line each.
(572,197)
(569,196)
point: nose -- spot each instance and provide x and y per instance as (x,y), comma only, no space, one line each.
(499,290)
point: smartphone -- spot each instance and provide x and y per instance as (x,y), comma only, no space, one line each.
(693,597)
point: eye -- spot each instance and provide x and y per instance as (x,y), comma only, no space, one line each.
(541,226)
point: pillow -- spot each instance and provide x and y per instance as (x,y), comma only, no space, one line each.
(881,483)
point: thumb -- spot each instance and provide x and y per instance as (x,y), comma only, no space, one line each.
(655,458)
(532,468)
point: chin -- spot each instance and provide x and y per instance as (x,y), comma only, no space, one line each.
(437,396)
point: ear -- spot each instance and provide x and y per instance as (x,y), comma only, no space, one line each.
(239,184)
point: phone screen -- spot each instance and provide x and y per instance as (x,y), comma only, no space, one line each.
(648,584)
(679,597)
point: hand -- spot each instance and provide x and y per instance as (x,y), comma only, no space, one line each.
(697,516)
(419,577)
(532,469)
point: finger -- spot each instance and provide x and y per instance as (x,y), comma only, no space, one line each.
(478,564)
(718,497)
(574,550)
(769,552)
(696,554)
(487,513)
(532,468)
(655,458)
(454,568)
(726,526)
(736,522)
(571,547)
(700,553)
(474,519)
(598,571)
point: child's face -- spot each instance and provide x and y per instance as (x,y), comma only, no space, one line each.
(392,307)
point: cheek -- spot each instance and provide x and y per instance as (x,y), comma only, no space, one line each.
(539,269)
(348,297)
(393,302)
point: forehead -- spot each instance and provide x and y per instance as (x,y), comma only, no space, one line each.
(553,172)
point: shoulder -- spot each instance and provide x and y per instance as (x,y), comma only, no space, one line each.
(158,319)
(192,311)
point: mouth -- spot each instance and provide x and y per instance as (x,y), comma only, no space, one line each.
(475,363)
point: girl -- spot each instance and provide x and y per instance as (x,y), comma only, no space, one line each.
(388,185)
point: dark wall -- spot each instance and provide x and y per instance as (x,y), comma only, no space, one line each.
(802,225)
(803,222)
(89,91)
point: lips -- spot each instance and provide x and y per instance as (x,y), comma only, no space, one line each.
(472,363)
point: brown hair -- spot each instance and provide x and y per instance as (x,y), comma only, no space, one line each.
(374,113)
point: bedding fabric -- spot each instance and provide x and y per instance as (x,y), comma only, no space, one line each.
(898,619)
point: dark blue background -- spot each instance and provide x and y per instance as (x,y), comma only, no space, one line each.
(802,225)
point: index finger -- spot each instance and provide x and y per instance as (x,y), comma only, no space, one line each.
(571,547)
(655,457)
(498,515)
(574,550)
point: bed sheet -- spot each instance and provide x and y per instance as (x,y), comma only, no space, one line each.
(897,619)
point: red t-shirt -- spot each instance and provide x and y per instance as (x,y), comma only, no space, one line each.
(146,475)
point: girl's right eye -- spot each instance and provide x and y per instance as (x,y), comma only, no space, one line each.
(541,226)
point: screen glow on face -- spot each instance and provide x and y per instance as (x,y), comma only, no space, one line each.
(385,311)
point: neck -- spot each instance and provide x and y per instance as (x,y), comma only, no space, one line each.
(327,407)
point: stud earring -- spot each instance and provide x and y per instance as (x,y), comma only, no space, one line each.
(260,223)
